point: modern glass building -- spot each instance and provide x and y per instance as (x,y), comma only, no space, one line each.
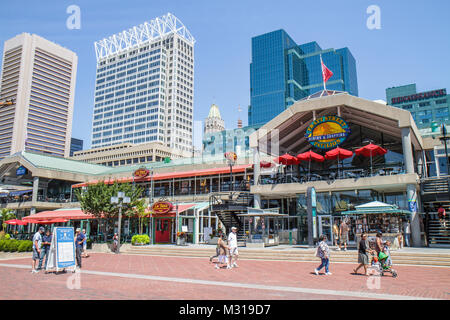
(145,86)
(425,107)
(75,145)
(282,72)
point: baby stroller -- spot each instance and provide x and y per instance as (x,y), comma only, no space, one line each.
(383,264)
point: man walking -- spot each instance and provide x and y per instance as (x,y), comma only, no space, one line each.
(233,250)
(407,232)
(79,239)
(37,243)
(343,235)
(45,251)
(85,254)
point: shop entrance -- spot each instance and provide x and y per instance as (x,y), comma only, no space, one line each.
(162,230)
(325,226)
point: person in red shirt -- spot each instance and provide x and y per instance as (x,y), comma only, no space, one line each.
(441,215)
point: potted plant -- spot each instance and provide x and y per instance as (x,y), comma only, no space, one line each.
(181,238)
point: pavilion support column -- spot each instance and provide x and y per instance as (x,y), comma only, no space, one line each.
(407,150)
(256,166)
(35,189)
(414,222)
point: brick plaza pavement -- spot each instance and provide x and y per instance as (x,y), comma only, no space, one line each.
(109,276)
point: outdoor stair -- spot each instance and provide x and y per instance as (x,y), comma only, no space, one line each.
(294,254)
(438,234)
(435,189)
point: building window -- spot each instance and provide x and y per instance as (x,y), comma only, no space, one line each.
(135,160)
(128,161)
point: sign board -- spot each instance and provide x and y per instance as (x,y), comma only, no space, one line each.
(327,132)
(141,173)
(312,216)
(62,249)
(420,96)
(21,171)
(231,156)
(207,231)
(184,228)
(162,207)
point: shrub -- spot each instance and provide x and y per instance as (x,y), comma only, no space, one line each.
(3,244)
(29,245)
(2,235)
(22,246)
(140,238)
(7,236)
(13,245)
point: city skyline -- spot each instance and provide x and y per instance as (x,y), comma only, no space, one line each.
(390,56)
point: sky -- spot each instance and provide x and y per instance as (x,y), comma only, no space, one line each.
(412,45)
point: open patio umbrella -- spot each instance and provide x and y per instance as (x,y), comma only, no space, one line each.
(371,150)
(308,156)
(338,153)
(286,159)
(16,222)
(264,164)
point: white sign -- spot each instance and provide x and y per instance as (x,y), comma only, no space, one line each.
(62,249)
(184,228)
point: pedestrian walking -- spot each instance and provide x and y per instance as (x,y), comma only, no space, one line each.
(217,249)
(363,250)
(441,215)
(407,232)
(379,243)
(233,250)
(343,234)
(323,252)
(223,252)
(336,232)
(115,243)
(85,254)
(37,243)
(45,250)
(79,238)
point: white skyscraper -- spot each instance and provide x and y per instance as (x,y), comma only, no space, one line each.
(39,76)
(145,85)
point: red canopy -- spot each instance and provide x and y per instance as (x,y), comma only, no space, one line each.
(71,214)
(16,222)
(37,221)
(371,150)
(286,159)
(310,155)
(338,153)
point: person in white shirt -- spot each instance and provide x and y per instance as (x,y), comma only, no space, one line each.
(233,250)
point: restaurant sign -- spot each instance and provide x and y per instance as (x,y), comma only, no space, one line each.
(141,173)
(327,132)
(162,207)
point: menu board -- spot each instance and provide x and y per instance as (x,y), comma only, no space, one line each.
(65,247)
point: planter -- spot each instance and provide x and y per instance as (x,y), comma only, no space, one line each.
(181,241)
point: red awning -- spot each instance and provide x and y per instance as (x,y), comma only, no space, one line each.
(52,221)
(171,175)
(72,214)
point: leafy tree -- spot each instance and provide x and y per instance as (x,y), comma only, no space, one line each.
(140,211)
(96,200)
(5,215)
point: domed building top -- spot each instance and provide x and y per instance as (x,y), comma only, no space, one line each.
(214,112)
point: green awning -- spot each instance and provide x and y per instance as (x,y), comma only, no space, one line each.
(377,207)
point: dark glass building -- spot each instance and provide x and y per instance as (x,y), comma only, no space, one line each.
(282,72)
(75,145)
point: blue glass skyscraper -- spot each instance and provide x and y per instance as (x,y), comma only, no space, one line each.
(282,72)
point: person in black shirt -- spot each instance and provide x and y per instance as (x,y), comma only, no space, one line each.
(45,251)
(363,258)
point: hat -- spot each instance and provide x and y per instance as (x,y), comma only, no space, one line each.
(77,230)
(41,229)
(233,228)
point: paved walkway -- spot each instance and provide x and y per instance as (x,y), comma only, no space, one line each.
(109,276)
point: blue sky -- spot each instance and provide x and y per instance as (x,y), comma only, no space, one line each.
(411,46)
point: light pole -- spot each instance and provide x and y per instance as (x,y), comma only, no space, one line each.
(444,139)
(120,200)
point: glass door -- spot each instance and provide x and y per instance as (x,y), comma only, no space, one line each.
(325,228)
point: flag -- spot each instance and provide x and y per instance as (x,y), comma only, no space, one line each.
(326,73)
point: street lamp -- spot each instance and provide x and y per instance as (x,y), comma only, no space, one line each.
(120,200)
(444,139)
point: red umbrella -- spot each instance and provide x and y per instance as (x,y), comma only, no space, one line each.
(308,156)
(264,164)
(286,159)
(16,222)
(371,150)
(338,153)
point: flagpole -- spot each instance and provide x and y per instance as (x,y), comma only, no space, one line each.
(321,67)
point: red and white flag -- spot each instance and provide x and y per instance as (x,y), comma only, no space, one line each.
(326,73)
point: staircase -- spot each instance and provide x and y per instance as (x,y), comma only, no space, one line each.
(439,233)
(435,189)
(294,254)
(227,205)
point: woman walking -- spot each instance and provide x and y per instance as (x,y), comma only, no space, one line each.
(363,258)
(223,253)
(323,252)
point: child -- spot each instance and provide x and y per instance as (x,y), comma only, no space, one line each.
(387,251)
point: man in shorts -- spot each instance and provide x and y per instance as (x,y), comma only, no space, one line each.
(37,243)
(233,250)
(343,235)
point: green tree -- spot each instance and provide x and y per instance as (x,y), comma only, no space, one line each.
(140,211)
(5,215)
(95,199)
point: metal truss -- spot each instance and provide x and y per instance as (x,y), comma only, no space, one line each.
(146,32)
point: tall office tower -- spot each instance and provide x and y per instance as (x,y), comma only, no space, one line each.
(282,72)
(39,76)
(145,86)
(75,145)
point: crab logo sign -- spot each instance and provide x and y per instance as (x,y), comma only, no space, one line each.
(162,207)
(327,132)
(141,173)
